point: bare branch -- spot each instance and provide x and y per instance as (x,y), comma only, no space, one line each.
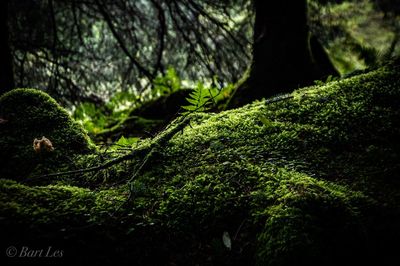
(161,37)
(110,24)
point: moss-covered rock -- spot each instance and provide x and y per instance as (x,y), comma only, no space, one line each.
(30,114)
(309,180)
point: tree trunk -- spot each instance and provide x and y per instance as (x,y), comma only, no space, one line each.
(283,59)
(6,65)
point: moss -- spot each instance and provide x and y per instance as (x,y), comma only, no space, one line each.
(310,222)
(55,204)
(310,180)
(325,131)
(210,173)
(32,114)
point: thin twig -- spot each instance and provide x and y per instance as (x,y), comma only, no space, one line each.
(159,140)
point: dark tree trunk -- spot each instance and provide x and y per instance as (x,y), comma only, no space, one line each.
(6,65)
(283,59)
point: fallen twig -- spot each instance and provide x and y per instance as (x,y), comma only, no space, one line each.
(158,141)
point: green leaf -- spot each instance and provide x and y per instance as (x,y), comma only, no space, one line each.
(199,99)
(126,141)
(189,107)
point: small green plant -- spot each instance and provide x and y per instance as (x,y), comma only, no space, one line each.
(95,119)
(167,84)
(121,101)
(92,118)
(204,98)
(200,99)
(126,142)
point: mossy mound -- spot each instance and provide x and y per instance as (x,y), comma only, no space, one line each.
(309,180)
(30,114)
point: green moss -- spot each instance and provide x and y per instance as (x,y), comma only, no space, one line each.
(32,114)
(211,173)
(310,180)
(309,222)
(326,131)
(56,204)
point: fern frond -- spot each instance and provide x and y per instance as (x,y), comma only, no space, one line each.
(199,99)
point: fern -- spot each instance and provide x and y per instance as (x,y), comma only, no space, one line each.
(199,99)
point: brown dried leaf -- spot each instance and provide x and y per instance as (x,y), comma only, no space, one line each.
(42,145)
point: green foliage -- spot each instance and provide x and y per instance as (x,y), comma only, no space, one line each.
(96,119)
(199,99)
(121,102)
(126,113)
(128,142)
(355,33)
(203,98)
(91,117)
(167,84)
(371,56)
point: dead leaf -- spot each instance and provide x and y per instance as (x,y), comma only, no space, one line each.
(42,145)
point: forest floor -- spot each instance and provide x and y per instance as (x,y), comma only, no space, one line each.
(310,180)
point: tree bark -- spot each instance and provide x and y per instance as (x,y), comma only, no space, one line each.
(6,64)
(283,59)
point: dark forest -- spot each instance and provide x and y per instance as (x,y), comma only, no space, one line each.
(200,132)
